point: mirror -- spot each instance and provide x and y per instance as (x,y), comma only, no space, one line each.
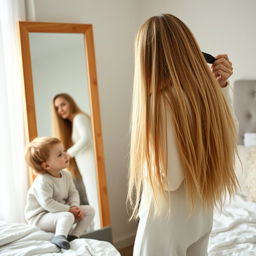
(59,58)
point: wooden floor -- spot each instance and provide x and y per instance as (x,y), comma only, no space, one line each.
(126,251)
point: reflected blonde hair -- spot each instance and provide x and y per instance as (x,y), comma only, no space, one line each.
(172,80)
(38,152)
(62,128)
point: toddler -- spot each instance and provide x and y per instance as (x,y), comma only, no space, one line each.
(52,200)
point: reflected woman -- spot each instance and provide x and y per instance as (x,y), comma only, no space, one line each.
(73,127)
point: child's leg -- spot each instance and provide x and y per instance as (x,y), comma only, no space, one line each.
(82,225)
(58,222)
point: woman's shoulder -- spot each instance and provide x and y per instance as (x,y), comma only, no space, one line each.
(81,118)
(81,115)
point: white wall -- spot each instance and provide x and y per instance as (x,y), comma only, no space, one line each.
(220,27)
(58,66)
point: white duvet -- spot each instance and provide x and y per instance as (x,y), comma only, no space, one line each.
(234,229)
(26,240)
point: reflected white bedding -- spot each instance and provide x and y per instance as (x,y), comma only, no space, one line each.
(234,229)
(26,240)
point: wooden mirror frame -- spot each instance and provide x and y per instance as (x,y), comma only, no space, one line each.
(86,30)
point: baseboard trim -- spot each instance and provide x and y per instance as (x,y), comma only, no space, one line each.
(124,241)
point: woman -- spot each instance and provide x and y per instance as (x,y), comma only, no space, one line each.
(183,140)
(73,127)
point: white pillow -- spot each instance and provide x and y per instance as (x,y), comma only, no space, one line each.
(250,139)
(250,182)
(246,171)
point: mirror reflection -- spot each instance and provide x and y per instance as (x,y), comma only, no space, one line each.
(62,105)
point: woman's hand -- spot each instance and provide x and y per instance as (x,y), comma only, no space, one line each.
(222,69)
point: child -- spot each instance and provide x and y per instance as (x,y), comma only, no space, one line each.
(52,200)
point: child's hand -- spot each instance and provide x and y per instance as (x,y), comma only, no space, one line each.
(77,213)
(75,210)
(80,216)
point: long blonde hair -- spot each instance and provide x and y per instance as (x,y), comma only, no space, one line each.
(172,80)
(62,128)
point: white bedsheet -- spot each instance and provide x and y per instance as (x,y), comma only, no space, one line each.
(234,229)
(25,240)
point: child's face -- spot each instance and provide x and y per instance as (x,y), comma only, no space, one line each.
(57,160)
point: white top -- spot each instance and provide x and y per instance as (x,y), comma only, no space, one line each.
(81,134)
(50,194)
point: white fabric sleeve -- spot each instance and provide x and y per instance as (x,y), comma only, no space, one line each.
(73,196)
(44,195)
(226,93)
(82,125)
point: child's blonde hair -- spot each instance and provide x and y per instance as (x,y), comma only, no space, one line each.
(38,152)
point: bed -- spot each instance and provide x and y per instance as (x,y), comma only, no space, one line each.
(19,239)
(234,227)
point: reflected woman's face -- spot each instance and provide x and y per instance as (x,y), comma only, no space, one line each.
(62,107)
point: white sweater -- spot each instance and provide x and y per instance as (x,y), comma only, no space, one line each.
(50,194)
(81,135)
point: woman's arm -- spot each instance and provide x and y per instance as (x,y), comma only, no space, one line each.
(222,69)
(226,93)
(82,125)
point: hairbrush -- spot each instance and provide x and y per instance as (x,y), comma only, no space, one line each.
(208,57)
